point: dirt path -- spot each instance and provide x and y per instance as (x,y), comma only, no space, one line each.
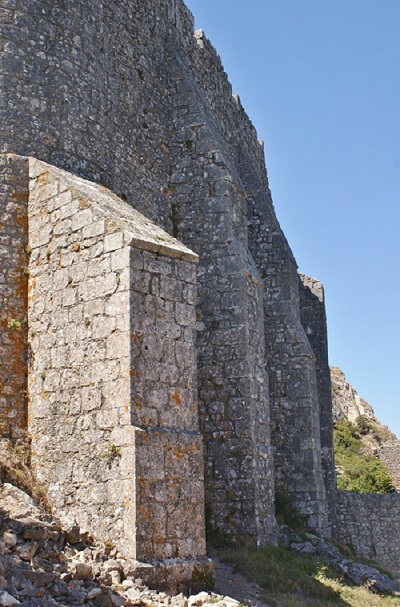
(235,585)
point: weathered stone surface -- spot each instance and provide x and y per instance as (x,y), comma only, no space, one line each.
(389,454)
(102,335)
(371,523)
(114,363)
(13,297)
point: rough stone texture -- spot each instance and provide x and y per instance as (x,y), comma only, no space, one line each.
(123,93)
(313,319)
(371,523)
(231,352)
(13,297)
(389,454)
(126,94)
(112,339)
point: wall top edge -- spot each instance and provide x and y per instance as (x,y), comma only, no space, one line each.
(140,231)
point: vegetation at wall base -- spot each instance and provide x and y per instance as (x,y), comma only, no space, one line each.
(292,580)
(286,513)
(360,472)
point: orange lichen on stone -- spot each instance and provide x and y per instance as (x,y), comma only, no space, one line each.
(176,398)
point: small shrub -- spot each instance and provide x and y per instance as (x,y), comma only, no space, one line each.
(13,324)
(112,452)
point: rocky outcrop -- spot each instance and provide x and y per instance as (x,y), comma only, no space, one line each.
(348,404)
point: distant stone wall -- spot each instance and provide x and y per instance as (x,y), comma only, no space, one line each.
(389,454)
(371,524)
(113,414)
(13,297)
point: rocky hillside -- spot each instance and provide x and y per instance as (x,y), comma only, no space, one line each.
(364,438)
(349,405)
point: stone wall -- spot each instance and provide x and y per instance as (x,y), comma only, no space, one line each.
(113,414)
(389,454)
(13,297)
(313,319)
(211,218)
(371,525)
(124,93)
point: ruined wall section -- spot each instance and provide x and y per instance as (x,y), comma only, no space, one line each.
(114,425)
(371,523)
(313,319)
(91,87)
(389,454)
(13,297)
(290,360)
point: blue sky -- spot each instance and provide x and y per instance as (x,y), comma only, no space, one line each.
(320,82)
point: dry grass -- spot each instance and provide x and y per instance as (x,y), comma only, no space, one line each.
(291,580)
(14,469)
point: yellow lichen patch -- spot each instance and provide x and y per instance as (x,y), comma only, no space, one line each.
(160,540)
(143,512)
(176,398)
(43,178)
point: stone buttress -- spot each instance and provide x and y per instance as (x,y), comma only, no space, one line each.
(112,371)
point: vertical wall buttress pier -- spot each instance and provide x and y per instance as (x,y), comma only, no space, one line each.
(112,369)
(313,319)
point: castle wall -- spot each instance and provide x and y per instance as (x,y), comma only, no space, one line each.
(13,297)
(313,319)
(371,524)
(220,183)
(123,93)
(290,360)
(210,217)
(85,87)
(389,454)
(113,414)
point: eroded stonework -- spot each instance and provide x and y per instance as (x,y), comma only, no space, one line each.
(124,395)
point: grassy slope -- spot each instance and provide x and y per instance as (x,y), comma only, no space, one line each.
(360,470)
(291,580)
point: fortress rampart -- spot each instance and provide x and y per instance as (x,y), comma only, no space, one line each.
(135,208)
